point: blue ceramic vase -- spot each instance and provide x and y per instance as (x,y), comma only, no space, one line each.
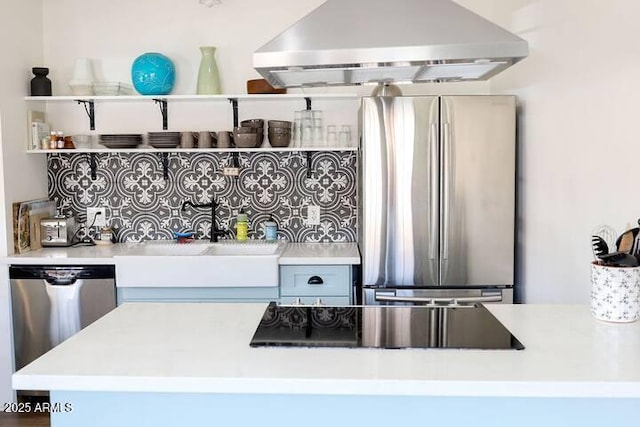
(153,73)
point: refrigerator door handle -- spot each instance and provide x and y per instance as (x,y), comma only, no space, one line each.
(439,301)
(433,229)
(446,188)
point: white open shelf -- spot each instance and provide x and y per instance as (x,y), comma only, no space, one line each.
(224,98)
(191,150)
(168,99)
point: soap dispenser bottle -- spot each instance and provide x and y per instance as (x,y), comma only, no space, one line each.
(270,229)
(242,226)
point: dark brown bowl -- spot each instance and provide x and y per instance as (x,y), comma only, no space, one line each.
(253,123)
(246,140)
(279,131)
(280,124)
(246,129)
(279,140)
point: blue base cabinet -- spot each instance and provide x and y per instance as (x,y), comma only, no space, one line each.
(109,409)
(262,294)
(316,284)
(299,284)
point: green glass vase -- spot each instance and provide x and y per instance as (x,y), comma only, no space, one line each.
(208,76)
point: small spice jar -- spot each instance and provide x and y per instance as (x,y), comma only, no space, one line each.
(53,141)
(106,234)
(60,140)
(68,143)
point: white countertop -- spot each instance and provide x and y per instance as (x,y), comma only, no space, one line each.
(294,254)
(72,255)
(205,348)
(320,253)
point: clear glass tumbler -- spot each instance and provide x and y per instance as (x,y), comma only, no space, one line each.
(332,136)
(344,138)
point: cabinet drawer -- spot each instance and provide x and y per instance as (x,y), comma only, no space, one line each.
(315,280)
(328,300)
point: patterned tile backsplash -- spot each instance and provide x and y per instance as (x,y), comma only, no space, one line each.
(140,204)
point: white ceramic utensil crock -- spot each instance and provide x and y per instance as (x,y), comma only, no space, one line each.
(615,293)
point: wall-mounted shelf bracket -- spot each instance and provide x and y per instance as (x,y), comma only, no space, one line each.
(234,103)
(93,165)
(164,161)
(90,112)
(235,162)
(308,101)
(164,110)
(309,159)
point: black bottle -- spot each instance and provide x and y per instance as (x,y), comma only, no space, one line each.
(40,84)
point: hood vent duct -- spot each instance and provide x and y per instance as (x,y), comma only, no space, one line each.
(354,42)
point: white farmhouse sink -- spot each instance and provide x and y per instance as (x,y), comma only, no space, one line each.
(169,248)
(199,264)
(241,249)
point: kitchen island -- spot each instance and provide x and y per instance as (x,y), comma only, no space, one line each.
(191,364)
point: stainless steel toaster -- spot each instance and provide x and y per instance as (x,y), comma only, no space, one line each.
(57,231)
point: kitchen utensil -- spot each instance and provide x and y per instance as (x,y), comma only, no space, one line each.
(224,139)
(619,259)
(607,232)
(635,248)
(246,140)
(599,246)
(279,140)
(186,140)
(204,139)
(625,242)
(120,141)
(164,139)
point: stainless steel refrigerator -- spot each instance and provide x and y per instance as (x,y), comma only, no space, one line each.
(437,199)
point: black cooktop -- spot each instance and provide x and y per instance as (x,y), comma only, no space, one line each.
(388,327)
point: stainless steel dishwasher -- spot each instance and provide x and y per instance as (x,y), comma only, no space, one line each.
(50,303)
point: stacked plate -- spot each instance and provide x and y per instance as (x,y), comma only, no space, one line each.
(115,141)
(164,139)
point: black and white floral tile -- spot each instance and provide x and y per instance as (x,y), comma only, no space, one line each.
(140,204)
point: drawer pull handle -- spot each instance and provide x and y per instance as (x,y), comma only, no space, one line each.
(315,280)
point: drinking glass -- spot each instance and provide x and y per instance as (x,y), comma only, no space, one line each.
(306,138)
(296,136)
(344,137)
(332,136)
(318,136)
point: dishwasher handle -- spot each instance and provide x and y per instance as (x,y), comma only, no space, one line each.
(62,271)
(61,281)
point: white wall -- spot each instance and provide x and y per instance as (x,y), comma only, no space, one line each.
(579,134)
(113,33)
(22,177)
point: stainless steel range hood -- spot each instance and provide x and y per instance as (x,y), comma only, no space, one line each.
(353,42)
